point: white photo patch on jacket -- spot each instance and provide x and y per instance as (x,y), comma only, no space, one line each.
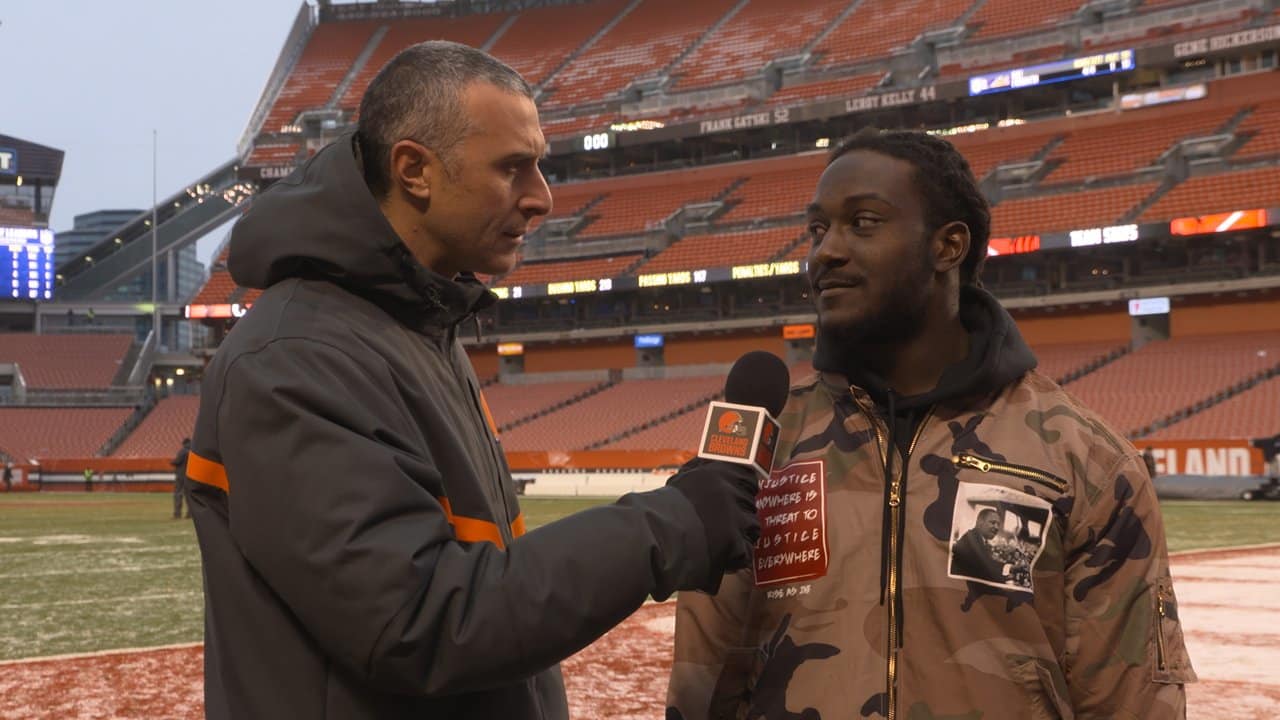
(792,507)
(997,534)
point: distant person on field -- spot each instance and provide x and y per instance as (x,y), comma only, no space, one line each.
(364,551)
(88,479)
(179,463)
(8,476)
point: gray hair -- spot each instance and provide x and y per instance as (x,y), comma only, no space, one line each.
(418,96)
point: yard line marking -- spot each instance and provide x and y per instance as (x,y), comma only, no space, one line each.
(100,653)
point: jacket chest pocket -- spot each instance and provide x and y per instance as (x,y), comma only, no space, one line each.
(1002,520)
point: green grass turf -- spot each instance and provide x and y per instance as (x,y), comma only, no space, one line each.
(83,572)
(1196,524)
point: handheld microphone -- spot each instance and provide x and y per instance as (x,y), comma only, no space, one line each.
(743,429)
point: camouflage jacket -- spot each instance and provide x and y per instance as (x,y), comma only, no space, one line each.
(1072,615)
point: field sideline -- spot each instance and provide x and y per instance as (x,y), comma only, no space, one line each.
(85,573)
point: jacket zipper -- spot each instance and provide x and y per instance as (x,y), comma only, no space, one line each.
(895,522)
(1160,613)
(1020,471)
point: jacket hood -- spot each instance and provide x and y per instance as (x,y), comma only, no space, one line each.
(322,223)
(997,357)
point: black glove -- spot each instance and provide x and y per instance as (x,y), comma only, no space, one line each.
(724,497)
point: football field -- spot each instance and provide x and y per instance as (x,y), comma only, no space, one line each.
(101,612)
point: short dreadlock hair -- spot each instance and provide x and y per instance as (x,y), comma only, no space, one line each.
(945,181)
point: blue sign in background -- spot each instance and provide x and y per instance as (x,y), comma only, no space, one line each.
(26,264)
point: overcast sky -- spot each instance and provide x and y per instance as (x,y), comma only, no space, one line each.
(95,78)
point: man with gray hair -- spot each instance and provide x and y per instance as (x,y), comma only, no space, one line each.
(364,552)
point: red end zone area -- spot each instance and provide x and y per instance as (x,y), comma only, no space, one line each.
(1228,599)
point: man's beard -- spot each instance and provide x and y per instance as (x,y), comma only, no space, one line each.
(898,315)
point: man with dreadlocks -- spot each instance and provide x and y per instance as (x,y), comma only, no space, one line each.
(926,416)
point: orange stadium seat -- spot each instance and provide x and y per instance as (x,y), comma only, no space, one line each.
(1014,17)
(1057,360)
(641,44)
(1163,377)
(66,362)
(542,37)
(1249,415)
(273,154)
(1264,123)
(160,434)
(736,248)
(1223,192)
(47,433)
(775,193)
(812,92)
(621,407)
(1066,211)
(510,403)
(1120,149)
(642,210)
(326,59)
(216,290)
(877,27)
(761,31)
(589,269)
(473,30)
(988,149)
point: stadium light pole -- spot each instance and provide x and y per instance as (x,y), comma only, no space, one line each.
(155,308)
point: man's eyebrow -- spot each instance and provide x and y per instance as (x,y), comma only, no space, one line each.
(858,197)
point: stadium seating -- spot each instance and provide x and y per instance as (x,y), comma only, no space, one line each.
(636,212)
(775,193)
(217,289)
(273,155)
(1249,415)
(1069,211)
(759,32)
(641,44)
(542,37)
(611,412)
(1163,377)
(737,248)
(990,148)
(326,59)
(16,216)
(852,85)
(66,362)
(510,403)
(1013,17)
(589,269)
(160,434)
(1264,122)
(1224,192)
(473,30)
(1096,150)
(1058,360)
(47,433)
(877,27)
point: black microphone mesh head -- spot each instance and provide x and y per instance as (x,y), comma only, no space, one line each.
(758,378)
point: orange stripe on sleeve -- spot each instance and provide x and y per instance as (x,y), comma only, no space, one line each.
(472,529)
(517,526)
(207,472)
(488,415)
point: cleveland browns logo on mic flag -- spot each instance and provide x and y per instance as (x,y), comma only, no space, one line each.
(741,434)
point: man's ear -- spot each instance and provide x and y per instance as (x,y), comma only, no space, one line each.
(950,246)
(414,168)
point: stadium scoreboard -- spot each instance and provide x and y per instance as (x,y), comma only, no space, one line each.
(1052,72)
(26,263)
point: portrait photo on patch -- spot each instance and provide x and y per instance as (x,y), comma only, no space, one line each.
(997,535)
